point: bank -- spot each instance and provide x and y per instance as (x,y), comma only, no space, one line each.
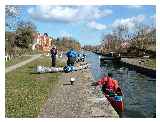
(25,91)
(139,66)
(80,100)
(51,95)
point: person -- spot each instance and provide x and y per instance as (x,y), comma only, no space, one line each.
(72,55)
(108,84)
(83,57)
(53,52)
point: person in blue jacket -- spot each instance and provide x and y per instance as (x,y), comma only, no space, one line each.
(72,55)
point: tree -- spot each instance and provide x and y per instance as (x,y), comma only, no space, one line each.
(107,40)
(24,34)
(12,17)
(141,32)
(112,42)
(65,43)
(10,43)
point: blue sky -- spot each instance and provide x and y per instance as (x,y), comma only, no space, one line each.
(87,24)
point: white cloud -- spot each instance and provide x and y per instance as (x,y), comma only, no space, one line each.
(135,6)
(65,34)
(96,26)
(129,22)
(68,13)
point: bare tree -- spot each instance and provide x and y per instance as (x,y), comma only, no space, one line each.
(12,17)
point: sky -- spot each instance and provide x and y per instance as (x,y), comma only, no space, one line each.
(87,24)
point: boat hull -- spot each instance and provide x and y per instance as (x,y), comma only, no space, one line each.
(117,105)
(116,101)
(110,58)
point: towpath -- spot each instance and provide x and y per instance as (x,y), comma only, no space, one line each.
(137,62)
(78,100)
(13,67)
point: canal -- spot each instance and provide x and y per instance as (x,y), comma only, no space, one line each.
(139,90)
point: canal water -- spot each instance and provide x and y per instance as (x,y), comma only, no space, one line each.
(139,90)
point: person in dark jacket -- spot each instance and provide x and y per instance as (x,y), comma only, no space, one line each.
(72,55)
(53,52)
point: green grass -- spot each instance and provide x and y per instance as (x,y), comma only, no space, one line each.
(16,60)
(150,63)
(26,92)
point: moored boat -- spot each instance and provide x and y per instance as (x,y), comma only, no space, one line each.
(110,56)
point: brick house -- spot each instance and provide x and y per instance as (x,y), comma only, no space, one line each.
(42,42)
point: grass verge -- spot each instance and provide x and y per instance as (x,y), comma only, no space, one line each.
(16,60)
(150,63)
(26,92)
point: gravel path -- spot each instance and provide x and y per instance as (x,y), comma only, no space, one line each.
(78,100)
(11,68)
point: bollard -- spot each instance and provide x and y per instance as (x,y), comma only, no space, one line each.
(72,80)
